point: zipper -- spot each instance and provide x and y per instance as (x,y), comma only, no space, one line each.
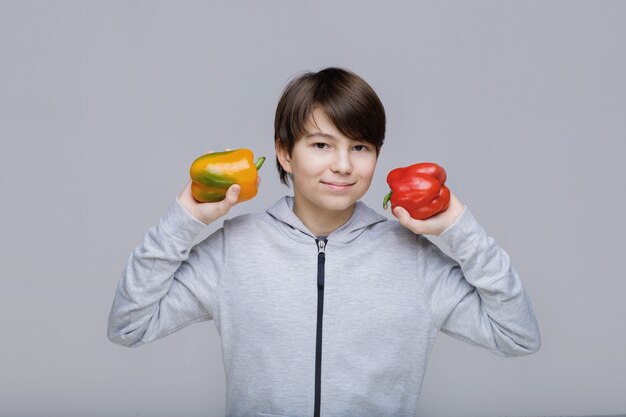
(321,259)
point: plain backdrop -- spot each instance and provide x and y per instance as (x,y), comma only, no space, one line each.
(104,104)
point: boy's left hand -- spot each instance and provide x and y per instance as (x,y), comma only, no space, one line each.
(433,225)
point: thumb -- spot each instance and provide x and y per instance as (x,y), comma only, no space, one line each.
(232,194)
(401,214)
(407,221)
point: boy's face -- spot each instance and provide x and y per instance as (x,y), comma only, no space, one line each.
(330,172)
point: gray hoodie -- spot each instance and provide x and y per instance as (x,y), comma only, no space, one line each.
(344,330)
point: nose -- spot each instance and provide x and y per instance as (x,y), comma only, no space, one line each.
(342,163)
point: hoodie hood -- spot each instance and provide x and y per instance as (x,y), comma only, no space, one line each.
(361,219)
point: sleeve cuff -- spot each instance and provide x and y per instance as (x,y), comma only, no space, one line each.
(180,224)
(462,232)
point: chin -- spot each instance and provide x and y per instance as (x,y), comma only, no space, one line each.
(337,204)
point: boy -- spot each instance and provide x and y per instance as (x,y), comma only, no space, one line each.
(323,306)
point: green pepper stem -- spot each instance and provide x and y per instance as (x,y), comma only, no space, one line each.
(386,201)
(259,162)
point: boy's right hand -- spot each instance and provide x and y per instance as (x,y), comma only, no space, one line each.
(208,212)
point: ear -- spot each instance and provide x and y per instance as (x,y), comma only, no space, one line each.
(283,156)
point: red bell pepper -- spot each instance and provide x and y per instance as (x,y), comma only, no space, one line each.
(419,189)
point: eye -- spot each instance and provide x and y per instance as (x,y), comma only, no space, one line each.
(361,148)
(319,145)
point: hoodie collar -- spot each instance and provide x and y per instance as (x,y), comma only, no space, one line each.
(362,217)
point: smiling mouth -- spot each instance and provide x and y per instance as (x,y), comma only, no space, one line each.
(338,185)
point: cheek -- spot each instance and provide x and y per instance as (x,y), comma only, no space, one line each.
(303,174)
(367,167)
(312,167)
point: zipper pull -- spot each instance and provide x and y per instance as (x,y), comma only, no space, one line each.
(321,259)
(321,245)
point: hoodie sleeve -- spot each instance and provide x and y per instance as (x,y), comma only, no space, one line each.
(480,299)
(168,283)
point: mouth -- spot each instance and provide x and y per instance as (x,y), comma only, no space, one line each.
(336,185)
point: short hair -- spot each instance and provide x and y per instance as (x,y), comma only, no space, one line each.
(350,103)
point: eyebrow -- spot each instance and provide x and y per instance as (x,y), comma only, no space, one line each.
(319,134)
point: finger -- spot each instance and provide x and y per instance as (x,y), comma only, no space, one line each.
(258,182)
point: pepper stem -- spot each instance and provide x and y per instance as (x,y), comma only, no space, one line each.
(259,162)
(386,201)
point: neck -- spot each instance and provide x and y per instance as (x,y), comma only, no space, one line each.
(321,222)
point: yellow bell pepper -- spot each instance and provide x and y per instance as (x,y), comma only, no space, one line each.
(213,173)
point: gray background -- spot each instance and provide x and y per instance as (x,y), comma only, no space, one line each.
(103,106)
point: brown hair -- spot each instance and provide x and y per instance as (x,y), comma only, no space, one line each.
(348,101)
